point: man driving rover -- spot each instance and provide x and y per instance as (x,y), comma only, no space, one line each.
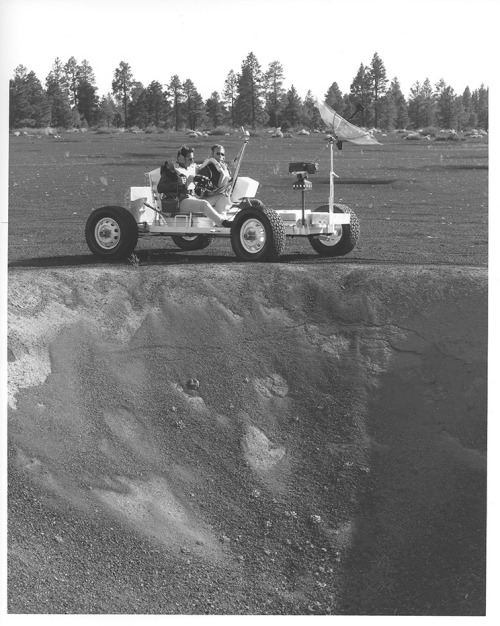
(215,168)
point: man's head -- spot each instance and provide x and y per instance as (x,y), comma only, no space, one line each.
(218,152)
(185,156)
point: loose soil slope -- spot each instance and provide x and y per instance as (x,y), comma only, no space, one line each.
(332,459)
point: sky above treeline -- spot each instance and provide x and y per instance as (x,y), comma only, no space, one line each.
(318,42)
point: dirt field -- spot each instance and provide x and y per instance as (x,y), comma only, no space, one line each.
(330,457)
(418,202)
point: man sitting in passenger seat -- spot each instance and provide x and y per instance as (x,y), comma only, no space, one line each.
(215,168)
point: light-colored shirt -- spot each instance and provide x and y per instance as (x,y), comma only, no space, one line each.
(189,172)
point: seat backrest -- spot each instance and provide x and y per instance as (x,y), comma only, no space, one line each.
(154,179)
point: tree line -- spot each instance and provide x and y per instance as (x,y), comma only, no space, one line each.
(252,97)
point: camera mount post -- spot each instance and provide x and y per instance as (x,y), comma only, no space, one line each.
(331,199)
(303,184)
(302,170)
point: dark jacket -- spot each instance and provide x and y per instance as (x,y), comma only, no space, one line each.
(170,184)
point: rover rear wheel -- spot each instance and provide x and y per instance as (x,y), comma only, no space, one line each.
(344,237)
(111,233)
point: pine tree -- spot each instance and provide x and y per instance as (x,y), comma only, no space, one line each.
(156,104)
(361,93)
(416,105)
(347,105)
(174,89)
(214,110)
(57,73)
(311,117)
(38,100)
(402,118)
(88,102)
(71,79)
(137,110)
(334,98)
(58,98)
(273,89)
(292,111)
(422,105)
(447,108)
(194,107)
(248,104)
(440,86)
(388,111)
(480,100)
(107,110)
(60,109)
(460,113)
(19,106)
(197,112)
(429,104)
(377,77)
(468,116)
(28,104)
(230,93)
(121,86)
(85,73)
(84,92)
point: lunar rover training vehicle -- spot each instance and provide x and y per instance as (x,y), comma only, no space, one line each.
(256,232)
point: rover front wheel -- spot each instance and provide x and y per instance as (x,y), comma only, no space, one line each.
(258,234)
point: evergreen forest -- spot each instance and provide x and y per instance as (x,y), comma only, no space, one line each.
(254,97)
